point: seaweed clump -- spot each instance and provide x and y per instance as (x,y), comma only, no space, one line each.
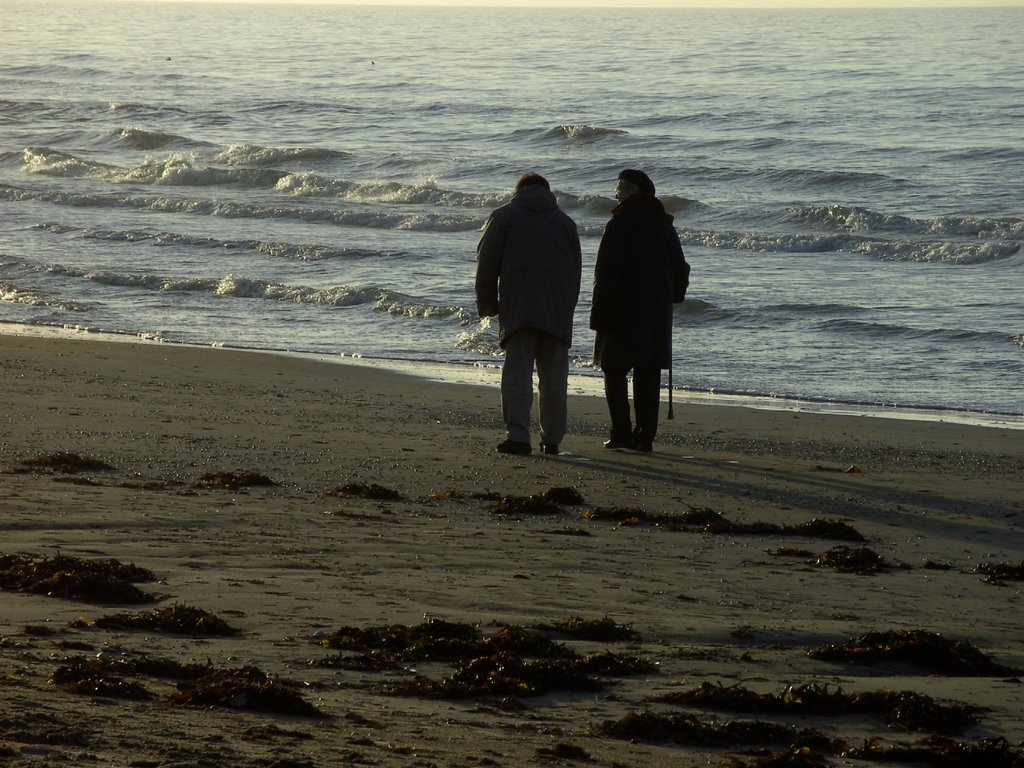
(942,752)
(997,572)
(918,647)
(709,521)
(244,688)
(853,560)
(915,711)
(234,481)
(176,619)
(81,677)
(364,491)
(511,662)
(600,630)
(73,578)
(687,729)
(525,505)
(800,757)
(62,462)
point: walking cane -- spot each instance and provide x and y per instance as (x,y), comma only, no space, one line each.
(670,414)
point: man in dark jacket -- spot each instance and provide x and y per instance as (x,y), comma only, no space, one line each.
(528,272)
(641,272)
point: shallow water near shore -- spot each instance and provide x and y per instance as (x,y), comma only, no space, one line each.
(312,180)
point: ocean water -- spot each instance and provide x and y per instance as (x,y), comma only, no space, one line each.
(847,185)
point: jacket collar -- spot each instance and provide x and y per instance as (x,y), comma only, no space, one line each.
(640,202)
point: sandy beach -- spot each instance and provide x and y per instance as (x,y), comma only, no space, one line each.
(389,591)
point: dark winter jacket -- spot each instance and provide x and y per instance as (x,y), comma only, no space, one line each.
(529,266)
(640,273)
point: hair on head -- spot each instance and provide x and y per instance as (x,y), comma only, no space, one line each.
(530,178)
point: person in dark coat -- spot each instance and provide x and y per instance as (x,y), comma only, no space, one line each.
(529,265)
(641,272)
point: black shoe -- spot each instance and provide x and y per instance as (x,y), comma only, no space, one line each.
(514,447)
(617,442)
(642,446)
(549,448)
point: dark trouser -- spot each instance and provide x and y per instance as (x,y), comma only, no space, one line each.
(646,400)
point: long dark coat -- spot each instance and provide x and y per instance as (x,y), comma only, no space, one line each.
(640,273)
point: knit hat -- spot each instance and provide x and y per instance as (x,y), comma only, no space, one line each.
(639,178)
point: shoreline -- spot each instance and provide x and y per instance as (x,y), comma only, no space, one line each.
(579,384)
(386,506)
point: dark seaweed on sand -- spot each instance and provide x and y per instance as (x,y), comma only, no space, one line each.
(997,572)
(244,688)
(799,757)
(853,560)
(917,647)
(510,662)
(234,481)
(525,505)
(81,677)
(604,630)
(692,731)
(908,709)
(397,637)
(176,619)
(943,753)
(503,674)
(63,462)
(438,640)
(713,522)
(72,578)
(140,664)
(562,751)
(364,491)
(565,495)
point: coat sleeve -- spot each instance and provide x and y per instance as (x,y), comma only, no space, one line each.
(606,279)
(680,269)
(488,267)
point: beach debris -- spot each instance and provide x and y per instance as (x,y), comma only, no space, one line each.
(579,532)
(942,753)
(177,619)
(853,560)
(690,730)
(81,677)
(918,647)
(799,757)
(525,505)
(853,469)
(244,688)
(604,630)
(565,495)
(438,640)
(713,522)
(503,674)
(73,578)
(563,751)
(62,462)
(238,688)
(234,481)
(108,662)
(510,662)
(998,572)
(364,491)
(907,709)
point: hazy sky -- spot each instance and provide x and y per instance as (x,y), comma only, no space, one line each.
(689,3)
(673,3)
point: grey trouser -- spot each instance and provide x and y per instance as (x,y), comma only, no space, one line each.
(522,349)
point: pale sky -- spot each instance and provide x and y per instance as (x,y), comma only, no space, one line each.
(667,3)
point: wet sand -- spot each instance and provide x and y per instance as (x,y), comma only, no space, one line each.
(290,564)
